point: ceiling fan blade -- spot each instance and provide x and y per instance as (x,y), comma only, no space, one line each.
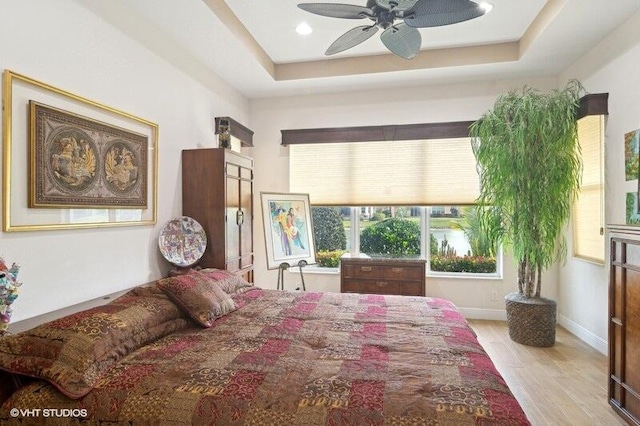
(435,13)
(352,38)
(396,5)
(402,40)
(336,10)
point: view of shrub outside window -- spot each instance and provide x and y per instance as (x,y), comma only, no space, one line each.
(456,244)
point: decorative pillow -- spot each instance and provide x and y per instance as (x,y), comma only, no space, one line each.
(231,283)
(73,352)
(199,296)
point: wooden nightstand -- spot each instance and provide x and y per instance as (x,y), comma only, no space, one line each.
(404,277)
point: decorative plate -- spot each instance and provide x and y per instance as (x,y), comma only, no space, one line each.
(182,241)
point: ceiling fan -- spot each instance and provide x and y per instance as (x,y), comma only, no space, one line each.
(402,39)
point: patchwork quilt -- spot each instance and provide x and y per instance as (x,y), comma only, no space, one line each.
(294,358)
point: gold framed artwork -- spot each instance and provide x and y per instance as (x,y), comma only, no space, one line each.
(89,165)
(79,162)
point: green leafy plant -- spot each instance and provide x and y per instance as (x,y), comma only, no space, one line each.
(471,225)
(433,245)
(470,264)
(393,236)
(446,250)
(329,259)
(530,165)
(328,229)
(378,216)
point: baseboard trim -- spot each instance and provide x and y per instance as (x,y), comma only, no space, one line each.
(585,335)
(484,314)
(572,327)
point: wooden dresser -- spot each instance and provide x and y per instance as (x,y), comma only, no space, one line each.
(383,276)
(624,322)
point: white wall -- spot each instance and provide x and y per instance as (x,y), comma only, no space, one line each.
(607,68)
(401,106)
(65,45)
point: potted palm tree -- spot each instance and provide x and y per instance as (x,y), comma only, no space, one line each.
(530,166)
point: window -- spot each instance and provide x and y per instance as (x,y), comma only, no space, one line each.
(446,236)
(425,164)
(456,243)
(588,210)
(379,187)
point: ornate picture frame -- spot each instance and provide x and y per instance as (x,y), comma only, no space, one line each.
(288,229)
(79,162)
(24,210)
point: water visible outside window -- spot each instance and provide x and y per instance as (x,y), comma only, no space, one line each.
(455,242)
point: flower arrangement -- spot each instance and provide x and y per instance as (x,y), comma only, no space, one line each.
(8,292)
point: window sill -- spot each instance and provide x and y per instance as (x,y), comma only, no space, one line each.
(463,275)
(317,270)
(312,269)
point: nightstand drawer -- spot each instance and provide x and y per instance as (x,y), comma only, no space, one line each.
(371,286)
(407,273)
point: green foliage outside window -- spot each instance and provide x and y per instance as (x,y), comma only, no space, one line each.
(469,264)
(480,260)
(471,224)
(330,236)
(400,237)
(393,237)
(329,259)
(328,229)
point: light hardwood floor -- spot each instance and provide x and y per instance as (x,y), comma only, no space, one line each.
(562,385)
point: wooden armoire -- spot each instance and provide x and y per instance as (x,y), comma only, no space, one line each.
(217,191)
(624,321)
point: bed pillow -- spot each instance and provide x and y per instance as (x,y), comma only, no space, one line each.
(73,352)
(231,283)
(199,296)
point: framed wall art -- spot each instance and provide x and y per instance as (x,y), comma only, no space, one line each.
(288,229)
(79,162)
(89,165)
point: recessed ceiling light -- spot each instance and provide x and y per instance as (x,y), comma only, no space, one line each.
(304,29)
(486,7)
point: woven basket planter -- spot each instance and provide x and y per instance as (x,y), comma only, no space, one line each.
(531,321)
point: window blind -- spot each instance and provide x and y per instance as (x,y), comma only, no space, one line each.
(410,172)
(588,210)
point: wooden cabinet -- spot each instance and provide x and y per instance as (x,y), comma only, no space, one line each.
(383,276)
(217,191)
(624,322)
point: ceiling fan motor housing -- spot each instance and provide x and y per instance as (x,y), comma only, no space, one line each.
(384,19)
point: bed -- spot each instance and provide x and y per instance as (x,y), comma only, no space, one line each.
(207,348)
